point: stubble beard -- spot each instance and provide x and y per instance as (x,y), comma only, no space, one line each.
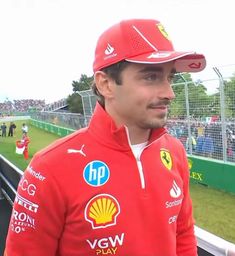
(155,123)
(160,123)
(160,120)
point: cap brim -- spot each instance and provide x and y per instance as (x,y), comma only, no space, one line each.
(184,61)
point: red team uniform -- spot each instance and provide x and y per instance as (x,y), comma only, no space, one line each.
(108,203)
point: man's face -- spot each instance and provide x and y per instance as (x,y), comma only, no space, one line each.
(143,98)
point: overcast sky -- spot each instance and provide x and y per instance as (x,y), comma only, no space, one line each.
(46,44)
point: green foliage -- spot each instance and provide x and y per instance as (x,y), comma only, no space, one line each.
(83,84)
(198,99)
(75,103)
(229,93)
(200,103)
(74,100)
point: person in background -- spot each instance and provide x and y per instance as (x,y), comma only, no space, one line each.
(24,128)
(121,185)
(200,130)
(4,130)
(22,146)
(191,140)
(12,128)
(208,144)
(25,141)
(199,145)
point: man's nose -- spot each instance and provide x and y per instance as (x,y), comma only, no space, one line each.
(167,90)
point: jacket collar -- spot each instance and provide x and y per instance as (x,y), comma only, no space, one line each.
(104,129)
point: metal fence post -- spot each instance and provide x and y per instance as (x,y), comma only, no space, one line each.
(187,113)
(222,109)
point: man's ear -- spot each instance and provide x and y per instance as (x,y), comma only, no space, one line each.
(104,84)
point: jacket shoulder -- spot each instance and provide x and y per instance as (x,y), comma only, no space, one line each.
(60,143)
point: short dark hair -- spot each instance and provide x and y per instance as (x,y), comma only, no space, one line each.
(114,72)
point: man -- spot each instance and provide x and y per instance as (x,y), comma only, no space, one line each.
(12,128)
(121,185)
(4,129)
(24,128)
(25,141)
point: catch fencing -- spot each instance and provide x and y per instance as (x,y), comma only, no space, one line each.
(205,122)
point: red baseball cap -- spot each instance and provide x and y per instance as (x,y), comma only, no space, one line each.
(142,41)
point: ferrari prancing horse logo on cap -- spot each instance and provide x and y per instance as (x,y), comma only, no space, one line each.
(166,158)
(163,31)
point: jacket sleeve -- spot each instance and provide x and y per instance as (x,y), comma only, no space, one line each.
(186,240)
(38,214)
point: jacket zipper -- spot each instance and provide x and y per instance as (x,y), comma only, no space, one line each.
(138,161)
(140,169)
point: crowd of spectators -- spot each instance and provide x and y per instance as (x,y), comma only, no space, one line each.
(206,138)
(57,105)
(25,105)
(6,107)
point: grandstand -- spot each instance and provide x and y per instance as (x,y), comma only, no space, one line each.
(59,105)
(27,105)
(31,105)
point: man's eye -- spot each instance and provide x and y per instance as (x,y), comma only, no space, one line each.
(151,77)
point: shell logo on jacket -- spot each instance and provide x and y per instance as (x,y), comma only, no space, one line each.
(102,211)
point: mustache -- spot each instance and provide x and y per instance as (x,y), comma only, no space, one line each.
(164,102)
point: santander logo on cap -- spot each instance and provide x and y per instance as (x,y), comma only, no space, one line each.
(109,52)
(109,49)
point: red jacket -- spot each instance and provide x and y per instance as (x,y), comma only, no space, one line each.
(87,195)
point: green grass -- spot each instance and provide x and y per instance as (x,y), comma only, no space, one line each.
(38,140)
(214,210)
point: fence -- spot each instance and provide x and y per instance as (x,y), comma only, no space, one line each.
(62,119)
(202,116)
